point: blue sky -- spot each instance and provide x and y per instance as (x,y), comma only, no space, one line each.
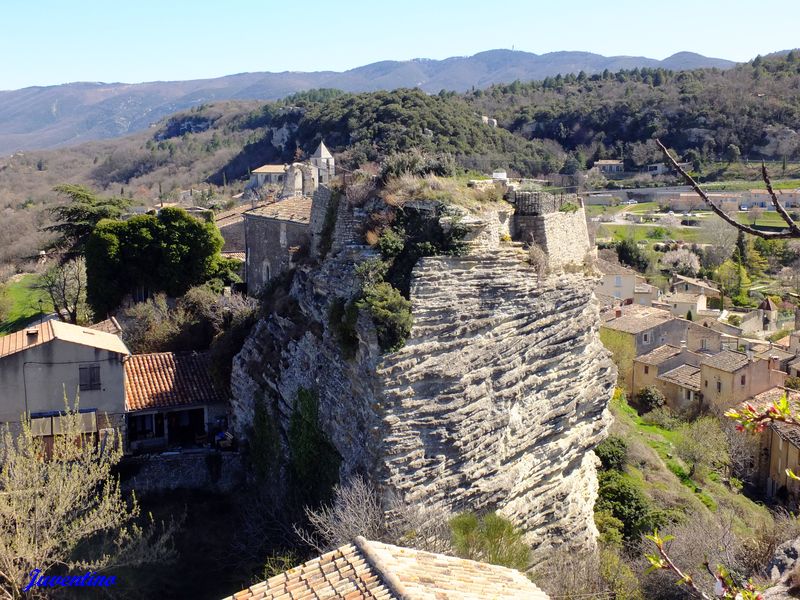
(46,42)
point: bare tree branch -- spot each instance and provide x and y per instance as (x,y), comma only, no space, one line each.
(776,203)
(793,232)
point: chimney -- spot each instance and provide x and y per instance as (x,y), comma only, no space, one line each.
(31,335)
(618,313)
(683,345)
(774,363)
(749,354)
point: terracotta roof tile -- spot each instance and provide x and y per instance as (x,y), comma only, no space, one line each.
(291,209)
(367,570)
(658,355)
(166,379)
(43,333)
(110,325)
(636,318)
(727,360)
(685,376)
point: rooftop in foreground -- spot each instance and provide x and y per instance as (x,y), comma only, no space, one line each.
(367,570)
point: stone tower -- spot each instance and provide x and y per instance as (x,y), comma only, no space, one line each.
(323,160)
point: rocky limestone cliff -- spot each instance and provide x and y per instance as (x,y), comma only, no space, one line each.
(494,402)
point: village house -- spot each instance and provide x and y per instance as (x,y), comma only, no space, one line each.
(171,400)
(681,388)
(704,339)
(778,449)
(618,281)
(267,175)
(650,367)
(684,304)
(368,569)
(273,234)
(730,377)
(693,285)
(42,363)
(633,330)
(763,318)
(609,166)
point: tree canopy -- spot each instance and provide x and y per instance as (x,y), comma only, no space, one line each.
(76,219)
(168,252)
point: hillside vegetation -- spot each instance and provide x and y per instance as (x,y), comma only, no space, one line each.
(754,106)
(559,124)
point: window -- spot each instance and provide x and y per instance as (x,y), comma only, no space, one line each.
(719,387)
(617,295)
(743,379)
(646,338)
(617,281)
(705,383)
(89,377)
(646,369)
(685,287)
(704,344)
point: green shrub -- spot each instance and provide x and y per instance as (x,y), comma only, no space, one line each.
(661,417)
(610,528)
(391,242)
(629,253)
(326,235)
(491,538)
(649,398)
(568,207)
(342,318)
(735,320)
(793,383)
(657,233)
(621,497)
(391,314)
(313,461)
(612,452)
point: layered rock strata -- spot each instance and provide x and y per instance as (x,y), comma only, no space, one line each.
(494,402)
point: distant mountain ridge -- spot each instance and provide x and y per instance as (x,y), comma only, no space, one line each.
(48,117)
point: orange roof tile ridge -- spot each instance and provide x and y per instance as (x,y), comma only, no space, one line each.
(389,578)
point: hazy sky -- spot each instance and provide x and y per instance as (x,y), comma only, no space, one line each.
(45,42)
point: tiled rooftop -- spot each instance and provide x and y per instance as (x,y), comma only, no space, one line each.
(658,355)
(698,282)
(110,325)
(270,169)
(727,360)
(682,297)
(291,209)
(685,376)
(42,333)
(636,318)
(367,570)
(607,267)
(167,380)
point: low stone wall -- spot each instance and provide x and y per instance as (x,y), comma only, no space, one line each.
(209,471)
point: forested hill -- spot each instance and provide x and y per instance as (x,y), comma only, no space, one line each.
(755,106)
(370,126)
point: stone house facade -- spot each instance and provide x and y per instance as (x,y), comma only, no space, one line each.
(42,363)
(729,378)
(648,367)
(273,234)
(634,330)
